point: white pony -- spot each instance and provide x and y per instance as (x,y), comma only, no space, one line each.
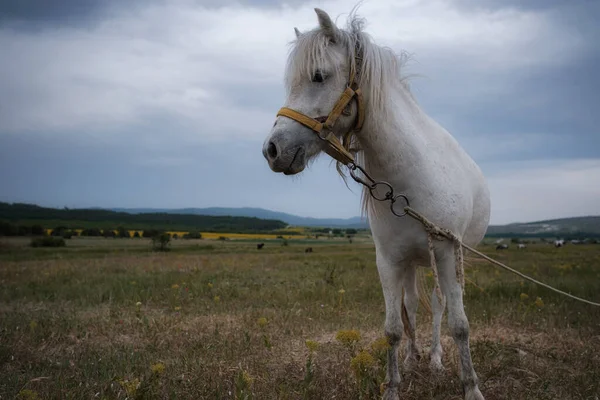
(400,144)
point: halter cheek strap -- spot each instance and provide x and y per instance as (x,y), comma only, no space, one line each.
(323,126)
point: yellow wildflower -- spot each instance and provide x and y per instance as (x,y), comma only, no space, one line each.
(348,336)
(262,322)
(539,302)
(138,304)
(130,387)
(177,308)
(33,324)
(312,345)
(133,283)
(362,362)
(341,292)
(217,299)
(158,368)
(380,344)
(524,296)
(210,285)
(246,378)
(174,286)
(28,394)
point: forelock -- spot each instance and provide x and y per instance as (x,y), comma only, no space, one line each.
(311,51)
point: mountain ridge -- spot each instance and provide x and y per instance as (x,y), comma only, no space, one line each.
(290,219)
(570,226)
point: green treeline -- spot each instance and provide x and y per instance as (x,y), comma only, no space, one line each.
(29,215)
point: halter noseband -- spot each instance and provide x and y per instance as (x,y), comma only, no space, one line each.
(323,126)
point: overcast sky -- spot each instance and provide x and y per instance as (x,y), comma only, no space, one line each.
(167,103)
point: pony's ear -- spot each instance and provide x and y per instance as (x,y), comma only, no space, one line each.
(297,32)
(327,24)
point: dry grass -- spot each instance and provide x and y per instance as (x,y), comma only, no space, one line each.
(230,321)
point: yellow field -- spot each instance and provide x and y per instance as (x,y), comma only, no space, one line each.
(49,231)
(213,235)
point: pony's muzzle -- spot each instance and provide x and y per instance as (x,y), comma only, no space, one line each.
(284,156)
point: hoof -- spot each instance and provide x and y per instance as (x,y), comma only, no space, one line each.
(390,393)
(474,394)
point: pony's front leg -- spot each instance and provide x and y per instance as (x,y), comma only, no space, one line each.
(457,320)
(391,283)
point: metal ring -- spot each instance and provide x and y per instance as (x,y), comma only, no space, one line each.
(396,197)
(388,195)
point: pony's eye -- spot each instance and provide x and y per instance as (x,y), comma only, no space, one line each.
(318,76)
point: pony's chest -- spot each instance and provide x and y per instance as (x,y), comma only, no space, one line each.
(399,238)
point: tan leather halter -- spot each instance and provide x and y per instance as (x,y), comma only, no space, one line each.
(323,126)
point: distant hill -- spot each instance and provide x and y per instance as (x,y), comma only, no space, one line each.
(30,214)
(355,222)
(563,227)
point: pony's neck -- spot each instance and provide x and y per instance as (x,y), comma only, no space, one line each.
(389,139)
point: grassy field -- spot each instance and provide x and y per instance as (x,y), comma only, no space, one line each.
(109,319)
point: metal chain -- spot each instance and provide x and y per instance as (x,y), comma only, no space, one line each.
(372,185)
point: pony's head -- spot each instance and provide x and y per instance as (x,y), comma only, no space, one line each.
(318,71)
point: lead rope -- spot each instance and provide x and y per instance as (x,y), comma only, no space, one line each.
(434,231)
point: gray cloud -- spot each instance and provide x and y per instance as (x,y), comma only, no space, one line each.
(57,10)
(40,15)
(522,5)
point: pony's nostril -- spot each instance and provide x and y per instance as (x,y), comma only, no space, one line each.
(272,150)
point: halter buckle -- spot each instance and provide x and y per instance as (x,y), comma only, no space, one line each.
(324,133)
